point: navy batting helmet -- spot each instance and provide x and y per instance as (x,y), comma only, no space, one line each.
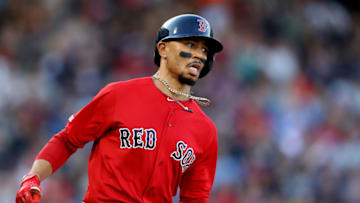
(189,26)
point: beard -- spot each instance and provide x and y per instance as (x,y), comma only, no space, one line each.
(186,81)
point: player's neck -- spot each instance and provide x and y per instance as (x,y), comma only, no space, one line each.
(172,83)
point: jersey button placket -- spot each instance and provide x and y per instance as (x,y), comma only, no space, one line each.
(171,118)
(172,110)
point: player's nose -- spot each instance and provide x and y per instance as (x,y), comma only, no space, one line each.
(200,55)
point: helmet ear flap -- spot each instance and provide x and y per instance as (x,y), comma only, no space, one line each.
(208,64)
(162,33)
(156,57)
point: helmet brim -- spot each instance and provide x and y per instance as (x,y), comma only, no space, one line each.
(214,45)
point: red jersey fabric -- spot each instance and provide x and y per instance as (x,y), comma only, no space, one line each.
(145,145)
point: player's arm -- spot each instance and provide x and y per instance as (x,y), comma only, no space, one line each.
(87,125)
(52,156)
(42,168)
(197,181)
(30,190)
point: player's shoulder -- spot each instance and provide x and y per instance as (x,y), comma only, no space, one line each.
(129,84)
(204,117)
(206,127)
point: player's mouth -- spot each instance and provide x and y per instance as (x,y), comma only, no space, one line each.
(194,68)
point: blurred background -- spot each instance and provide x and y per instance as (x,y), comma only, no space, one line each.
(285,91)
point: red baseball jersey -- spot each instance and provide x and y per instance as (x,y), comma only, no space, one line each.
(145,145)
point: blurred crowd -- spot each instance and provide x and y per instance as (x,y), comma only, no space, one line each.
(285,91)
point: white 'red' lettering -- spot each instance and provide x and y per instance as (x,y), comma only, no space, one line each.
(125,138)
(150,139)
(137,142)
(135,138)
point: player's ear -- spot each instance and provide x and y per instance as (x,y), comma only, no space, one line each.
(162,49)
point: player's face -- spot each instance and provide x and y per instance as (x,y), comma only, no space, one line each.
(186,58)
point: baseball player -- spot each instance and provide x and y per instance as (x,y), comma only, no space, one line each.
(149,135)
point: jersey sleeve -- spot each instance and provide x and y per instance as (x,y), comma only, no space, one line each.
(197,182)
(86,125)
(93,120)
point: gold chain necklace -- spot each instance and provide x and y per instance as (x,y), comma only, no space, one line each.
(200,100)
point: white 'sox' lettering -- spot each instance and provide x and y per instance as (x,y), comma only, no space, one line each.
(185,155)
